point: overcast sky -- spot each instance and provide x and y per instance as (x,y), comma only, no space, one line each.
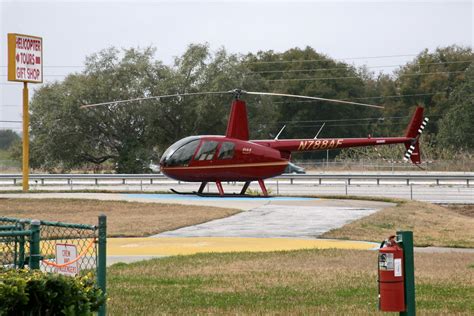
(345,30)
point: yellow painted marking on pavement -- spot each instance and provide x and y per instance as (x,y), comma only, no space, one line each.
(191,245)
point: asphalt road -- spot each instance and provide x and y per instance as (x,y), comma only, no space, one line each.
(444,194)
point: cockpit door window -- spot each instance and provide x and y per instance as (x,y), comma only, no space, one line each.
(226,151)
(182,156)
(207,150)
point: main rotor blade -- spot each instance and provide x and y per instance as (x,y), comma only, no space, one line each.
(152,97)
(311,98)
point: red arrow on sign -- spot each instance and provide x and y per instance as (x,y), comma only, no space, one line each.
(38,60)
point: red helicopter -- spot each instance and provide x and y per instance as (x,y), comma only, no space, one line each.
(235,158)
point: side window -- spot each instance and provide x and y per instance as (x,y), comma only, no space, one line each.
(207,150)
(227,150)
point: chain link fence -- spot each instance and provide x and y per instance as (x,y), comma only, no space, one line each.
(56,247)
(9,245)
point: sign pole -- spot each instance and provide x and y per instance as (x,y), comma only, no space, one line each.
(25,64)
(26,140)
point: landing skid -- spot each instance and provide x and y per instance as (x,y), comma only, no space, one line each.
(218,195)
(183,193)
(230,195)
(221,191)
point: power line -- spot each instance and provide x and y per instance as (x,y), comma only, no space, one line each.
(345,67)
(311,101)
(326,59)
(366,98)
(17,84)
(53,66)
(324,78)
(344,125)
(377,119)
(46,75)
(357,77)
(304,70)
(258,62)
(275,71)
(381,118)
(400,96)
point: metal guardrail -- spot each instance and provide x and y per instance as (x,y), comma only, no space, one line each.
(409,178)
(15,178)
(377,178)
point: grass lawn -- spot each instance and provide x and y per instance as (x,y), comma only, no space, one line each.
(123,218)
(304,282)
(432,225)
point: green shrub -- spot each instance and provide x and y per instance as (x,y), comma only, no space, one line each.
(32,292)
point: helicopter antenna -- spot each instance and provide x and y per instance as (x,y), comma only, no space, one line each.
(317,134)
(276,137)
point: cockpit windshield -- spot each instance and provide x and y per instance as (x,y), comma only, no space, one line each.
(180,153)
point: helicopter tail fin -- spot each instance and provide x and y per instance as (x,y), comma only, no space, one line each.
(414,131)
(237,127)
(415,123)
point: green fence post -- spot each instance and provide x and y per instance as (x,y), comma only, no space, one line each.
(406,239)
(35,254)
(21,252)
(102,257)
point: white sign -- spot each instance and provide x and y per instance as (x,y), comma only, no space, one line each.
(25,58)
(66,253)
(398,267)
(386,261)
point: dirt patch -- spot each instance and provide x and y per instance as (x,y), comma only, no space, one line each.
(432,225)
(123,218)
(466,210)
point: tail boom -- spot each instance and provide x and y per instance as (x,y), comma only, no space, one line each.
(410,140)
(302,145)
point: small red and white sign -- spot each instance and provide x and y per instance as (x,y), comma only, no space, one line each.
(25,58)
(66,253)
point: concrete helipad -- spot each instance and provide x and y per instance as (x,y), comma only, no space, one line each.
(274,221)
(266,224)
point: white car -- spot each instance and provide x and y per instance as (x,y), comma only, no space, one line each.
(292,168)
(154,168)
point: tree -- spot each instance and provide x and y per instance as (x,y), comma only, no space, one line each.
(307,72)
(132,134)
(7,138)
(429,80)
(456,127)
(65,135)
